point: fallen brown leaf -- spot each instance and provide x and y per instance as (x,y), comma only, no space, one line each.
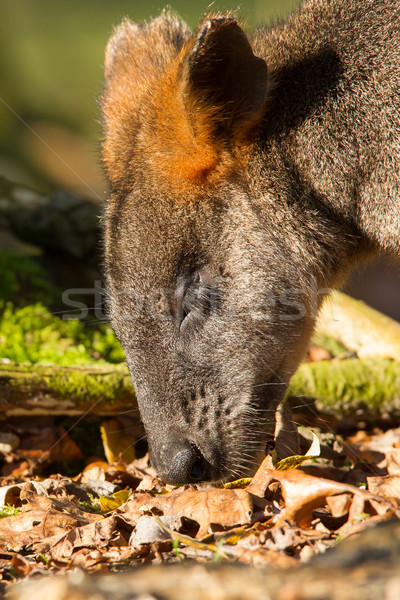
(94,535)
(303,493)
(339,505)
(117,442)
(21,565)
(136,506)
(279,516)
(40,516)
(212,506)
(226,508)
(262,478)
(393,461)
(387,486)
(23,529)
(153,529)
(50,443)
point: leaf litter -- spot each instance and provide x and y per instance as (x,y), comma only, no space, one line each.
(112,516)
(116,513)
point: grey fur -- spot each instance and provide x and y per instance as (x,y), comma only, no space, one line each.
(321,192)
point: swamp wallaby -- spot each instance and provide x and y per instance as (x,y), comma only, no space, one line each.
(246,177)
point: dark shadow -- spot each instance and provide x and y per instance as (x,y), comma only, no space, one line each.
(302,88)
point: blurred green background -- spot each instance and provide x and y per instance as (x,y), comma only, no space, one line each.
(51,57)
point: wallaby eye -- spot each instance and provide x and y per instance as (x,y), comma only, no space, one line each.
(192,297)
(196,297)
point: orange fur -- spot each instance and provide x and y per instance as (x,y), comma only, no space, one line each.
(156,124)
(180,140)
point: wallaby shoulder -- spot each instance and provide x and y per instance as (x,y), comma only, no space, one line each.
(334,113)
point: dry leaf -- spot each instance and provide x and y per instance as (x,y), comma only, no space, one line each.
(51,444)
(40,517)
(136,506)
(226,508)
(9,494)
(116,443)
(292,462)
(94,535)
(148,482)
(27,527)
(52,520)
(21,565)
(109,503)
(149,529)
(373,449)
(357,510)
(339,505)
(393,461)
(262,478)
(387,486)
(213,506)
(303,493)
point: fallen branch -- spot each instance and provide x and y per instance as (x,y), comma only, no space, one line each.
(368,388)
(358,327)
(61,222)
(52,389)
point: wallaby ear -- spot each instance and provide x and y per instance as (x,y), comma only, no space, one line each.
(138,49)
(120,46)
(224,79)
(179,103)
(135,61)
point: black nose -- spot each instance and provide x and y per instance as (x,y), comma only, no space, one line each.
(186,464)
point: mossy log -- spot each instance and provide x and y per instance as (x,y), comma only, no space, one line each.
(358,327)
(52,389)
(368,388)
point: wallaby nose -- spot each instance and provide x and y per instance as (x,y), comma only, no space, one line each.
(185,464)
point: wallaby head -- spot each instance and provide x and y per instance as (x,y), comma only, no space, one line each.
(220,241)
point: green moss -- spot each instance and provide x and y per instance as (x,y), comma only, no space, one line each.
(109,386)
(29,332)
(370,386)
(329,344)
(8,511)
(32,334)
(105,383)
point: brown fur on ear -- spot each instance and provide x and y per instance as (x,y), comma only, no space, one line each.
(136,58)
(178,135)
(211,100)
(183,113)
